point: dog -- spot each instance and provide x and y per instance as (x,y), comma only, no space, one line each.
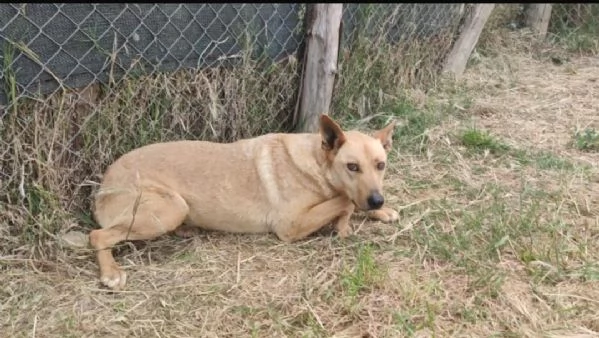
(288,184)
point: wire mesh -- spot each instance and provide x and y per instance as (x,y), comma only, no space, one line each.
(387,48)
(401,22)
(79,44)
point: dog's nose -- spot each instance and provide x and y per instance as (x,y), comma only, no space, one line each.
(375,200)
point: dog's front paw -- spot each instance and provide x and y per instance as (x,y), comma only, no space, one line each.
(386,215)
(344,230)
(113,277)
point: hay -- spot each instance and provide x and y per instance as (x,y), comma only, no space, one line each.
(534,102)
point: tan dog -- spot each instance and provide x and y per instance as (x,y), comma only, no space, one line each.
(289,184)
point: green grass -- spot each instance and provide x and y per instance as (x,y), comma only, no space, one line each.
(545,160)
(480,140)
(364,273)
(10,80)
(487,232)
(587,140)
(581,39)
(412,135)
(411,132)
(576,27)
(374,73)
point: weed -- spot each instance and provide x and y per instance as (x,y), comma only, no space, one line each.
(375,67)
(543,160)
(363,274)
(587,140)
(480,140)
(404,324)
(576,27)
(10,80)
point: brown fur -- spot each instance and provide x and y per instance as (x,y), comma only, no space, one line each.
(289,184)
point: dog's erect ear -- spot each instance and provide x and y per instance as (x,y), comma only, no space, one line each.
(385,135)
(332,135)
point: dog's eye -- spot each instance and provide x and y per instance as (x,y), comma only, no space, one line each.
(353,167)
(380,166)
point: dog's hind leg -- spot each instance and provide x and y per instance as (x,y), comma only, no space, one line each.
(157,213)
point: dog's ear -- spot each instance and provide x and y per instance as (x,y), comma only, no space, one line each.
(332,135)
(385,135)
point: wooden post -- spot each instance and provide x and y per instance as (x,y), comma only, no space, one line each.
(320,64)
(537,18)
(464,45)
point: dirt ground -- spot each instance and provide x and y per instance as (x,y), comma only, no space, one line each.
(489,244)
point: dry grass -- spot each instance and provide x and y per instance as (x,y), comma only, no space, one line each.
(498,235)
(548,102)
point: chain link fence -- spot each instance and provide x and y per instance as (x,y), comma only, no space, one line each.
(79,44)
(387,48)
(84,83)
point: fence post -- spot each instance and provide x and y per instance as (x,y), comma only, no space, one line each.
(462,48)
(319,65)
(537,18)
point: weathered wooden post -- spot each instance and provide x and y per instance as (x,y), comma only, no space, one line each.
(537,18)
(319,65)
(460,53)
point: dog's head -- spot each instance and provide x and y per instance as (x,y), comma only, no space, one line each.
(357,161)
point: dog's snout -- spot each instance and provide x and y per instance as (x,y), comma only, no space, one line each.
(375,200)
